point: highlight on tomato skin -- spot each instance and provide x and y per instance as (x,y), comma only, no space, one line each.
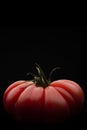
(39,100)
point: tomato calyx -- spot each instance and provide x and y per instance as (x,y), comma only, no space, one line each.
(40,79)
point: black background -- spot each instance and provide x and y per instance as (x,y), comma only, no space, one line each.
(49,46)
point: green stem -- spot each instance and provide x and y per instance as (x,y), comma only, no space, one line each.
(42,78)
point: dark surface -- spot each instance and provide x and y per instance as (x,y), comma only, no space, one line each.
(22,47)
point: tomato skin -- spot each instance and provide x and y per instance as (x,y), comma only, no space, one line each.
(54,103)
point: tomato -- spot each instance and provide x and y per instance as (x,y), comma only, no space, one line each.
(40,100)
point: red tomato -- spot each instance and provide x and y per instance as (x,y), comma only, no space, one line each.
(38,101)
